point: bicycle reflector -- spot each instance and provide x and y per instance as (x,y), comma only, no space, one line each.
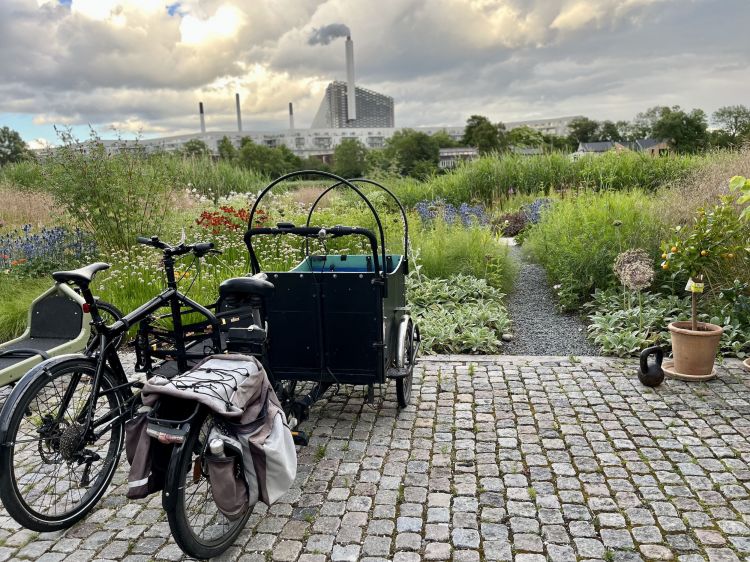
(166,435)
(86,308)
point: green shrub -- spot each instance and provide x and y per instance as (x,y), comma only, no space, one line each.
(578,239)
(26,174)
(622,327)
(117,197)
(443,250)
(460,314)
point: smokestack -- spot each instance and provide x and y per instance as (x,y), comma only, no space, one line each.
(203,118)
(291,116)
(239,115)
(351,101)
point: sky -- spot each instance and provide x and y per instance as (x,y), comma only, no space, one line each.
(129,67)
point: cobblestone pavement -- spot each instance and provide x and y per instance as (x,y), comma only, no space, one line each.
(498,458)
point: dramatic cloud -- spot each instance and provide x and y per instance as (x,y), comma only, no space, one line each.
(145,65)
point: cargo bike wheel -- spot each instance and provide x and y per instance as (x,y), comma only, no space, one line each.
(199,527)
(407,356)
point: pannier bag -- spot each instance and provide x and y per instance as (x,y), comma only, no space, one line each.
(236,388)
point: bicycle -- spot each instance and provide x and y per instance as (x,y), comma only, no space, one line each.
(62,427)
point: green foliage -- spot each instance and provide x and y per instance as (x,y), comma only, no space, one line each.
(579,238)
(114,196)
(227,150)
(213,180)
(14,306)
(410,150)
(267,161)
(623,327)
(483,135)
(741,185)
(525,137)
(734,121)
(195,147)
(686,132)
(12,147)
(26,174)
(443,250)
(350,159)
(461,314)
(492,179)
(583,129)
(444,140)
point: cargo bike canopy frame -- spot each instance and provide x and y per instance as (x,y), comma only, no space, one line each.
(339,319)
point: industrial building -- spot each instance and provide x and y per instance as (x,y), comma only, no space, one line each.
(373,109)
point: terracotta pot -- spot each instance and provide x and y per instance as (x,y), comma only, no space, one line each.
(695,351)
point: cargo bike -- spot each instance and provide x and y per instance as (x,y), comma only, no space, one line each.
(333,319)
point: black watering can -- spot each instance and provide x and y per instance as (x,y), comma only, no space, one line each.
(651,375)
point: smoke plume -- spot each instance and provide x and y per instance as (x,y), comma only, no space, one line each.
(327,33)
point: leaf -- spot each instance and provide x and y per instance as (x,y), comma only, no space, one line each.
(737,183)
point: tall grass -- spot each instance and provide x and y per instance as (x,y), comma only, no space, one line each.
(578,240)
(492,179)
(217,179)
(444,250)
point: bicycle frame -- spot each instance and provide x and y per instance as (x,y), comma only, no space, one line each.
(101,350)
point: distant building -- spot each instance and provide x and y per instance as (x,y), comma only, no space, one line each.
(558,126)
(653,147)
(451,157)
(373,109)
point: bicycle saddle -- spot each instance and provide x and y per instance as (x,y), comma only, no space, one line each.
(246,286)
(81,276)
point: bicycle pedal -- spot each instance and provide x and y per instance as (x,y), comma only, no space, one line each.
(300,438)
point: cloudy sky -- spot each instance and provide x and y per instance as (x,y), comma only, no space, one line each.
(143,65)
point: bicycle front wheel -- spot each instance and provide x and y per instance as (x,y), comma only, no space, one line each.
(200,529)
(53,471)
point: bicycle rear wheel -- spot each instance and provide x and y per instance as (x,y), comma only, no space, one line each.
(52,472)
(200,529)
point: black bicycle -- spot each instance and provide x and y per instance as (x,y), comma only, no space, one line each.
(62,427)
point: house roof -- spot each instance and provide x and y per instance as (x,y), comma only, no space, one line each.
(601,146)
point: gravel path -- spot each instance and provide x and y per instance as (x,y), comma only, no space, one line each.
(538,327)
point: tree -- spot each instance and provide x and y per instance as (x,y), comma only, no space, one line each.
(734,120)
(407,147)
(12,146)
(444,140)
(609,131)
(195,147)
(227,151)
(350,159)
(643,124)
(482,134)
(583,129)
(266,160)
(525,137)
(558,143)
(686,132)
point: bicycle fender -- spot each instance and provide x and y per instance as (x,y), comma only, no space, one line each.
(37,371)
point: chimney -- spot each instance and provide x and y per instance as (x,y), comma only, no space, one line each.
(351,101)
(291,116)
(203,118)
(239,115)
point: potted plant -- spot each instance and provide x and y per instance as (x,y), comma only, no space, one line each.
(697,253)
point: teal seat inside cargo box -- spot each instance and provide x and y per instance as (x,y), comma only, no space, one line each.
(345,264)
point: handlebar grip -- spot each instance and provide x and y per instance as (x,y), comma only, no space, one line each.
(144,240)
(203,247)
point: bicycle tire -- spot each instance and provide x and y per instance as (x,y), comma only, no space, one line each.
(181,477)
(46,510)
(110,313)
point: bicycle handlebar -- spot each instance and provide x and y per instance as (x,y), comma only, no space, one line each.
(200,249)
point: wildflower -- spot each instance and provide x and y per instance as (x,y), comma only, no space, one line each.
(634,270)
